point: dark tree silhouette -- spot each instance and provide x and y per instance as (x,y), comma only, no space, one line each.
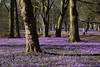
(11,19)
(17,21)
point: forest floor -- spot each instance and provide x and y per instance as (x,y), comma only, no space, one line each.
(57,52)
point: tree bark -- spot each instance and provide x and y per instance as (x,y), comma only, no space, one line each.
(11,19)
(45,17)
(98,27)
(32,42)
(87,27)
(60,19)
(74,33)
(45,29)
(91,26)
(65,26)
(17,21)
(59,27)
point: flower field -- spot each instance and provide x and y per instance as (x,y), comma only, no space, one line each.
(57,52)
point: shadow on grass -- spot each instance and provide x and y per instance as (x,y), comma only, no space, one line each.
(14,46)
(57,54)
(79,46)
(90,35)
(60,47)
(72,48)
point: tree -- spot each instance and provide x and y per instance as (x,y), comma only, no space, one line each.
(1,3)
(45,8)
(74,33)
(63,7)
(90,12)
(32,42)
(11,19)
(66,26)
(17,21)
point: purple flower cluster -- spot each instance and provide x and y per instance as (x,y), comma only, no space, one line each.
(57,52)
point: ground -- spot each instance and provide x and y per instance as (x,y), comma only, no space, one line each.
(57,52)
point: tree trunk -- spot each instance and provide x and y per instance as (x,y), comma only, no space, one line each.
(45,29)
(45,18)
(91,26)
(59,27)
(11,19)
(60,20)
(94,25)
(87,27)
(17,22)
(98,27)
(66,26)
(74,33)
(32,42)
